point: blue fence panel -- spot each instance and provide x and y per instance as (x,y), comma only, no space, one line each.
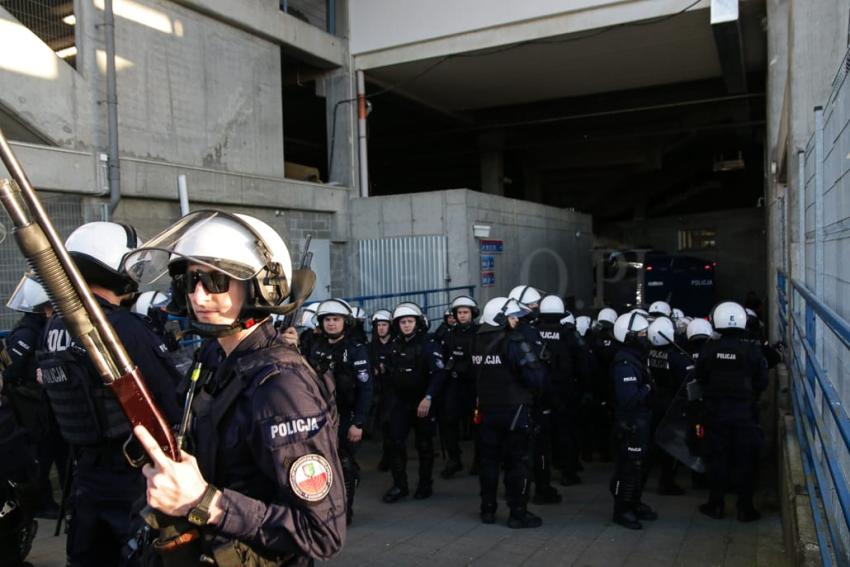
(433,302)
(823,425)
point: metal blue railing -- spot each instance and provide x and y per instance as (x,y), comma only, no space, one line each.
(432,301)
(818,412)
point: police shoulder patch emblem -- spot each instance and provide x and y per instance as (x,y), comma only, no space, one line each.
(311,477)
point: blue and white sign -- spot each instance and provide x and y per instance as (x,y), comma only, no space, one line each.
(491,246)
(488,279)
(488,262)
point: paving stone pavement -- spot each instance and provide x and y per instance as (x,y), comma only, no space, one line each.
(445,530)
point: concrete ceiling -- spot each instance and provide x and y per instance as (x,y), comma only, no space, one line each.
(678,49)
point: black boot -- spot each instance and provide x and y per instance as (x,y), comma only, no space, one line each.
(627,518)
(546,495)
(644,512)
(398,467)
(521,519)
(453,466)
(746,511)
(712,509)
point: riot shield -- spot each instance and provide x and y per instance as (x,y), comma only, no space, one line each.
(677,433)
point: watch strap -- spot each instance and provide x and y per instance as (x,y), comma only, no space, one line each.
(200,513)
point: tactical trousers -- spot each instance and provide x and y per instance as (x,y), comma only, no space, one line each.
(541,447)
(505,438)
(632,436)
(401,419)
(103,491)
(347,452)
(733,448)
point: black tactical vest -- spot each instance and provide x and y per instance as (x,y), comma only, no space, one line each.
(458,346)
(325,357)
(496,380)
(223,455)
(408,372)
(730,372)
(86,410)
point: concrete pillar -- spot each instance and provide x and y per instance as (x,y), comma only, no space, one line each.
(341,109)
(490,145)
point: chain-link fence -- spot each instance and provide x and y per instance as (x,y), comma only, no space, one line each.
(66,212)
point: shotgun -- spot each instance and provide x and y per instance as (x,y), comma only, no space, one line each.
(73,300)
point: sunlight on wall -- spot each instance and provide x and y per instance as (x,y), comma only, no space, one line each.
(23,52)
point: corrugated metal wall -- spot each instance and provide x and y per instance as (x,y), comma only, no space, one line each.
(403,264)
(825,221)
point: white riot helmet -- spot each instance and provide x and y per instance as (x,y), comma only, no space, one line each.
(381,315)
(729,316)
(677,314)
(640,311)
(335,307)
(29,296)
(409,309)
(552,305)
(465,301)
(526,295)
(661,332)
(498,309)
(569,320)
(628,325)
(699,329)
(359,313)
(607,317)
(307,318)
(98,249)
(239,246)
(583,324)
(660,308)
(148,300)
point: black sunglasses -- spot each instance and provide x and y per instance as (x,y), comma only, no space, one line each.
(213,282)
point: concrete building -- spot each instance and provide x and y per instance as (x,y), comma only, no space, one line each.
(503,141)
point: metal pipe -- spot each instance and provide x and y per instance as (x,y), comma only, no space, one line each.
(361,134)
(114,174)
(183,194)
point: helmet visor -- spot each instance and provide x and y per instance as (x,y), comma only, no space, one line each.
(203,238)
(29,296)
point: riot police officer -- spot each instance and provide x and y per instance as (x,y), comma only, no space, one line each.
(307,326)
(660,309)
(104,486)
(264,485)
(18,490)
(508,377)
(556,411)
(445,327)
(632,414)
(732,373)
(458,399)
(357,330)
(380,348)
(25,396)
(347,359)
(416,375)
(670,368)
(599,408)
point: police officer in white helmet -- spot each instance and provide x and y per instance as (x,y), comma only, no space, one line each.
(264,425)
(732,373)
(104,486)
(633,413)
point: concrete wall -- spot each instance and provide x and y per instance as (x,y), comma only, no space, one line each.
(386,32)
(543,246)
(200,92)
(740,254)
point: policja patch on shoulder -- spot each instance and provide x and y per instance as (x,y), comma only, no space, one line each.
(311,477)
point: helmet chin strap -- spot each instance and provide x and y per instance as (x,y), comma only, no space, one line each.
(210,330)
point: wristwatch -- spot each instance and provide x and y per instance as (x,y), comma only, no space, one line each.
(428,397)
(200,514)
